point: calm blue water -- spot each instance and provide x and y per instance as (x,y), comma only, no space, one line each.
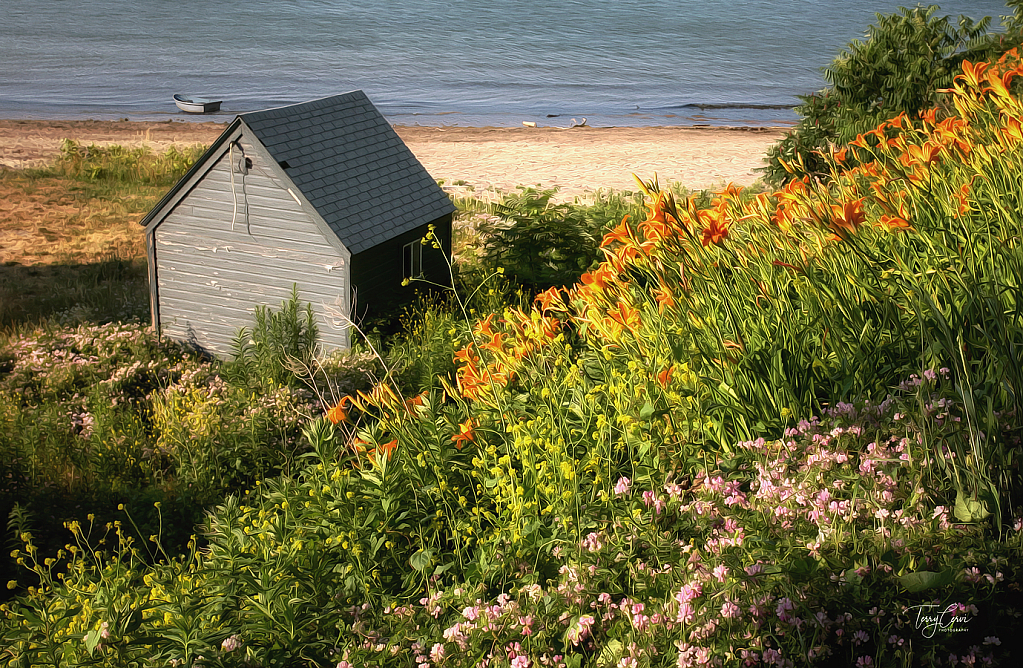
(432,62)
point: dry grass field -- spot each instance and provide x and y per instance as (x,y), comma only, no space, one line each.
(60,240)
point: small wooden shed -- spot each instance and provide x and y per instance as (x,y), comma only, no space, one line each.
(322,195)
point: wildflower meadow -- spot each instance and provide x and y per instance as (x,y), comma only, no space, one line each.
(766,428)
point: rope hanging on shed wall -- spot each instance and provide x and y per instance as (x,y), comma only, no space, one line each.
(243,166)
(234,193)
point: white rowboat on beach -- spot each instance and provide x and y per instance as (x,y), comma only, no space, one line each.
(196,105)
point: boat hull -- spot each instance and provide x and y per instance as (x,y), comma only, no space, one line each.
(196,105)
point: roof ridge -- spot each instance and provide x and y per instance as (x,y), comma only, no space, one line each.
(343,155)
(298,107)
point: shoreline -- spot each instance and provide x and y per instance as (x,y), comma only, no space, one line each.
(714,114)
(478,161)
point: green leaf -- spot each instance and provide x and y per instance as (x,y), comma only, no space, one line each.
(803,568)
(92,639)
(647,411)
(612,651)
(970,510)
(421,560)
(924,580)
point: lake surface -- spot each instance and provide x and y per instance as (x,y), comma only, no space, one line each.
(427,62)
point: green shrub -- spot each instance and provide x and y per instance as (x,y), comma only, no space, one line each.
(280,349)
(540,243)
(905,61)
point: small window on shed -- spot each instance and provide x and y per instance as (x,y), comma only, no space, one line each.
(412,259)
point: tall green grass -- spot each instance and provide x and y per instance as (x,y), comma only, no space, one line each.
(122,165)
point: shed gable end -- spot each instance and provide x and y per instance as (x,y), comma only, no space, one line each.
(242,238)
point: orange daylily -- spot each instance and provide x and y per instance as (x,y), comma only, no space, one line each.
(999,85)
(783,215)
(860,141)
(466,355)
(495,344)
(466,432)
(601,277)
(716,229)
(664,297)
(877,132)
(895,223)
(549,298)
(485,326)
(1013,131)
(338,412)
(384,449)
(731,190)
(664,377)
(416,401)
(621,234)
(847,217)
(925,154)
(626,315)
(662,209)
(654,231)
(359,446)
(972,73)
(964,147)
(469,383)
(918,176)
(963,204)
(715,232)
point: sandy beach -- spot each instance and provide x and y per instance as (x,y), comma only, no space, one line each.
(480,161)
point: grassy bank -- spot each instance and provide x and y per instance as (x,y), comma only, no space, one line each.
(764,429)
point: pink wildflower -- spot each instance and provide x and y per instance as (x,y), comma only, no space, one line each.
(593,542)
(730,610)
(581,629)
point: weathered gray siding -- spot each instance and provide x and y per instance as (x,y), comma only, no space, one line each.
(215,263)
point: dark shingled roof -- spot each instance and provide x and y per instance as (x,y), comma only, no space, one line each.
(351,165)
